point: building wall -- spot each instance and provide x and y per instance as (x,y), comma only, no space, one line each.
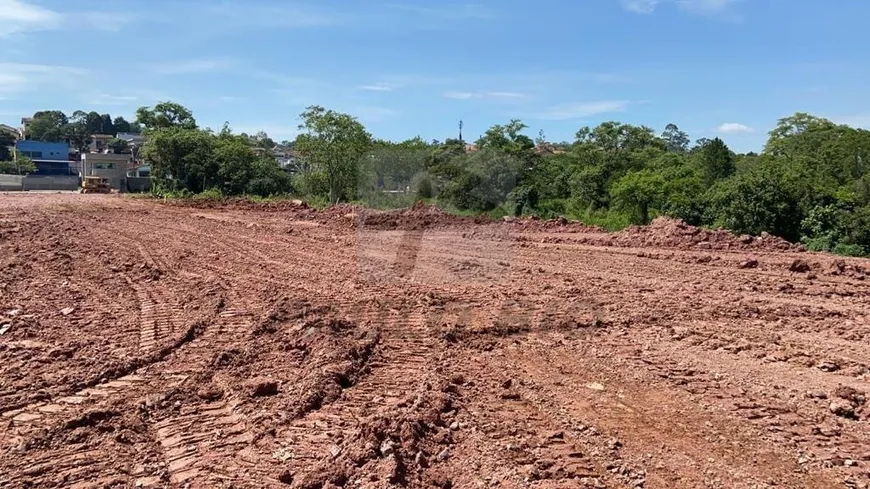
(109,166)
(10,183)
(39,150)
(42,182)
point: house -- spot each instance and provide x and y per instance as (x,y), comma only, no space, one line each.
(10,130)
(109,166)
(100,142)
(49,158)
(132,138)
(285,157)
(548,149)
(25,124)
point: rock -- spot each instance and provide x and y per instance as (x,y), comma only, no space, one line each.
(842,409)
(816,395)
(850,463)
(812,276)
(508,218)
(454,425)
(387,448)
(799,266)
(838,267)
(421,460)
(705,259)
(704,245)
(746,239)
(749,263)
(828,366)
(66,311)
(261,387)
(297,202)
(507,384)
(286,477)
(443,455)
(595,386)
(854,396)
(334,451)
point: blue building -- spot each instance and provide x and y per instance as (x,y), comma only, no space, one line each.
(49,158)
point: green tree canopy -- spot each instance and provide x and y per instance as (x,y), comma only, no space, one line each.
(333,143)
(165,115)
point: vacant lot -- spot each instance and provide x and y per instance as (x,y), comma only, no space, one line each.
(152,345)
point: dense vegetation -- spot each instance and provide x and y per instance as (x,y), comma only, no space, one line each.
(811,183)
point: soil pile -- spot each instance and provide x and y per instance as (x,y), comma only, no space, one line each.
(675,233)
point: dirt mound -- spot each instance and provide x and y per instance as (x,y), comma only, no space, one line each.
(557,225)
(669,232)
(420,216)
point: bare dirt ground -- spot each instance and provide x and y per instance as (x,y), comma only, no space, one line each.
(154,345)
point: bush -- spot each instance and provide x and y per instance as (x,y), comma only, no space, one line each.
(210,194)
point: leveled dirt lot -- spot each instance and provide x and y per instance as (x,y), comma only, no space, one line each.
(151,345)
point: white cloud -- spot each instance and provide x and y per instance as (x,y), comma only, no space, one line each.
(640,6)
(379,87)
(18,76)
(108,99)
(734,128)
(192,66)
(448,12)
(485,95)
(17,16)
(105,21)
(704,7)
(269,16)
(582,109)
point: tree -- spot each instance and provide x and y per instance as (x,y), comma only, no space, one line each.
(637,192)
(333,143)
(7,141)
(106,125)
(94,122)
(235,162)
(165,115)
(507,138)
(21,165)
(76,131)
(677,140)
(47,126)
(771,197)
(788,129)
(262,140)
(119,146)
(135,128)
(181,159)
(121,125)
(716,161)
(485,180)
(268,179)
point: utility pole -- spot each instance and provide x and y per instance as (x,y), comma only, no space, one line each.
(460,131)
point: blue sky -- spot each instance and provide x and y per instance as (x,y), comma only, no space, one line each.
(727,68)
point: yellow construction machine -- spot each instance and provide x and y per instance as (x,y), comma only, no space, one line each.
(95,185)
